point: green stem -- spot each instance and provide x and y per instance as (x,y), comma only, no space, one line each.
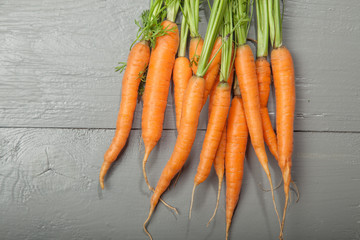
(227,37)
(191,11)
(212,31)
(275,23)
(172,9)
(241,20)
(262,28)
(183,37)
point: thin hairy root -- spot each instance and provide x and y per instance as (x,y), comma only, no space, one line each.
(146,222)
(146,156)
(165,203)
(217,202)
(268,190)
(283,219)
(273,198)
(227,231)
(192,200)
(296,190)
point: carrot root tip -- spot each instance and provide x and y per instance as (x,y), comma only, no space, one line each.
(273,198)
(146,222)
(227,230)
(192,200)
(217,203)
(146,156)
(104,169)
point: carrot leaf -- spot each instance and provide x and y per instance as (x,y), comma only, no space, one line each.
(121,67)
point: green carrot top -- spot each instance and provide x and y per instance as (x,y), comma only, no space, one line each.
(275,23)
(215,21)
(262,28)
(191,12)
(172,9)
(227,48)
(242,16)
(183,35)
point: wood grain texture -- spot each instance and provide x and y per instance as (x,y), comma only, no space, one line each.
(49,189)
(57,60)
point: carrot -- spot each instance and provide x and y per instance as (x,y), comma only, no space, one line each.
(213,69)
(219,107)
(220,153)
(162,60)
(182,72)
(263,73)
(284,81)
(191,9)
(218,115)
(246,74)
(136,66)
(137,62)
(196,45)
(236,141)
(219,166)
(192,105)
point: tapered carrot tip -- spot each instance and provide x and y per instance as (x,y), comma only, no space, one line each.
(146,156)
(192,200)
(227,230)
(104,168)
(217,202)
(147,220)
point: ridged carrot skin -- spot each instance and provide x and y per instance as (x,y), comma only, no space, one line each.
(137,62)
(246,73)
(195,48)
(263,73)
(284,80)
(161,64)
(236,141)
(181,75)
(219,161)
(189,121)
(217,121)
(214,68)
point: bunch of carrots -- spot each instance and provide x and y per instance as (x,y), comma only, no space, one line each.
(221,67)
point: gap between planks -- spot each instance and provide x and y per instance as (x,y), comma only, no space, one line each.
(165,129)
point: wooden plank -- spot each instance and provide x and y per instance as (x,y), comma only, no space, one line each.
(57,62)
(49,188)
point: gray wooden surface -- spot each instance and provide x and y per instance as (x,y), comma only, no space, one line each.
(59,97)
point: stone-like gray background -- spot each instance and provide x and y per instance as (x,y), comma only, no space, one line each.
(59,97)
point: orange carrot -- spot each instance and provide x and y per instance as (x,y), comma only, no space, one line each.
(196,45)
(182,74)
(162,60)
(246,73)
(189,120)
(213,69)
(220,153)
(236,141)
(192,105)
(263,75)
(284,80)
(137,62)
(218,115)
